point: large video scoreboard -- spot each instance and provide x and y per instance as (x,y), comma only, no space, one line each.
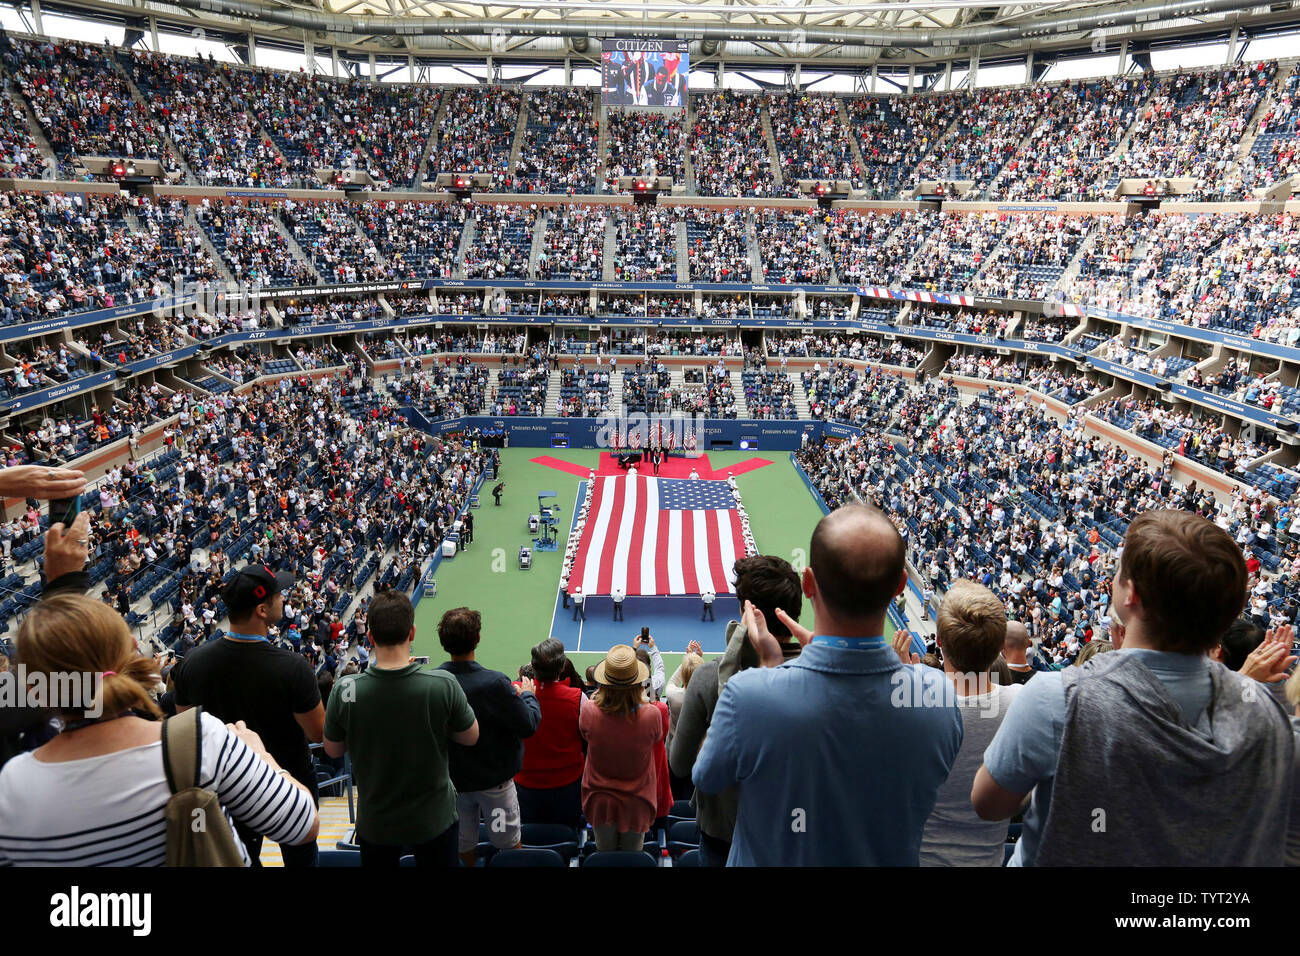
(644,74)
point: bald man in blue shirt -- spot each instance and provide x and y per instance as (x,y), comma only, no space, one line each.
(840,753)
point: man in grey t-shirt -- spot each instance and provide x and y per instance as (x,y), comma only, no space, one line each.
(972,626)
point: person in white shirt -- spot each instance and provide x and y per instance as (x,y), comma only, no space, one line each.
(618,594)
(971,630)
(707,599)
(95,795)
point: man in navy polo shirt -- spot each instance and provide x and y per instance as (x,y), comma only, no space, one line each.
(839,754)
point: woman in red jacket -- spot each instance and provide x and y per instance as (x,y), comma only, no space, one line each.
(549,785)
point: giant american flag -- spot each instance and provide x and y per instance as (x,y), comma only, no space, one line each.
(650,535)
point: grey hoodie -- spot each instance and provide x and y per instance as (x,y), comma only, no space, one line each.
(715,812)
(1136,786)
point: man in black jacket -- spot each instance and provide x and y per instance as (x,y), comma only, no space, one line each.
(484,774)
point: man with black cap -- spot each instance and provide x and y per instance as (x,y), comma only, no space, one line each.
(274,691)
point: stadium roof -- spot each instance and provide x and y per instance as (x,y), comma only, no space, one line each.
(835,33)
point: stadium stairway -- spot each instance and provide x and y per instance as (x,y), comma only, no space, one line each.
(466,243)
(423,172)
(516,147)
(683,258)
(192,221)
(1072,267)
(676,380)
(777,178)
(854,147)
(602,146)
(800,398)
(553,391)
(539,242)
(738,388)
(616,393)
(611,247)
(688,165)
(33,127)
(755,251)
(823,254)
(294,248)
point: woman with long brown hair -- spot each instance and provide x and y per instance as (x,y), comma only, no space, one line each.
(619,785)
(95,795)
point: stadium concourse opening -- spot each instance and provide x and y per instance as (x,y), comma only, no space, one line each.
(314,325)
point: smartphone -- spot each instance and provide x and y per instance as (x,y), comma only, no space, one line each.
(422,661)
(65,510)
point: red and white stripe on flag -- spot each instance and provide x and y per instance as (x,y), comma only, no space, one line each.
(631,542)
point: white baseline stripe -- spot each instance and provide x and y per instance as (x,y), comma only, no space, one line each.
(676,583)
(651,537)
(626,524)
(591,572)
(701,525)
(727,546)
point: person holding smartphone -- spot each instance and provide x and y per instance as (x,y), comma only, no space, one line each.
(646,650)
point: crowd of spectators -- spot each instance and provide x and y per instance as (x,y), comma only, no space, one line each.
(790,246)
(1002,492)
(961,320)
(207,118)
(330,309)
(339,250)
(1081,126)
(894,132)
(985,134)
(249,237)
(811,140)
(1031,255)
(646,244)
(1190,127)
(844,345)
(952,248)
(1273,156)
(297,110)
(83,106)
(574,244)
(476,133)
(20,156)
(73,252)
(871,247)
(416,239)
(643,143)
(502,243)
(717,245)
(558,154)
(729,151)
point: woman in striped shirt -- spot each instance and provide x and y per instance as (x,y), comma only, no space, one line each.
(95,794)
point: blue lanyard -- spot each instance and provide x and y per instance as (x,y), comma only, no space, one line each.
(850,643)
(247,637)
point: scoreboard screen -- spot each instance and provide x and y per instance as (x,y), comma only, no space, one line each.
(644,74)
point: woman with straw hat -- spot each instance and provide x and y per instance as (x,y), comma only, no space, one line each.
(619,785)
